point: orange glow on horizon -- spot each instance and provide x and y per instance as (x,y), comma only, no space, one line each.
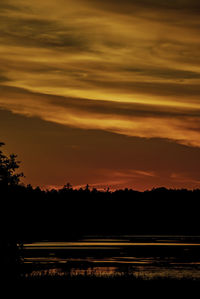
(102,92)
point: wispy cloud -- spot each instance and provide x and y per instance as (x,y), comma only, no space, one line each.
(131,68)
(130,120)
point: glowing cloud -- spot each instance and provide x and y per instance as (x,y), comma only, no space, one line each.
(130,68)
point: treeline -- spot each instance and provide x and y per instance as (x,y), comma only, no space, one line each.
(32,213)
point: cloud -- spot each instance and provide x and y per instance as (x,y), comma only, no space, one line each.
(135,6)
(9,6)
(131,68)
(115,179)
(40,33)
(181,129)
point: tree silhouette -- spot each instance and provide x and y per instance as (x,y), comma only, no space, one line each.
(8,166)
(9,249)
(67,186)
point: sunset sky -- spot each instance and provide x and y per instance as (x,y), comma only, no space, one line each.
(104,92)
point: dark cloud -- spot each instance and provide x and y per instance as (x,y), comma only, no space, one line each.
(149,88)
(34,32)
(177,13)
(3,78)
(164,73)
(172,4)
(11,6)
(7,5)
(116,5)
(120,109)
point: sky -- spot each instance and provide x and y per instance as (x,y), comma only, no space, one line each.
(102,92)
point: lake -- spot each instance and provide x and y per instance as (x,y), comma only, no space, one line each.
(145,257)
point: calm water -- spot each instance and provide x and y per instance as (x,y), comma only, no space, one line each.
(141,256)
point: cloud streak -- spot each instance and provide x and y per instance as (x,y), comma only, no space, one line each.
(132,120)
(131,68)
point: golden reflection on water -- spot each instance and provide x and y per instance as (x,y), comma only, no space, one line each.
(113,257)
(95,271)
(82,245)
(112,271)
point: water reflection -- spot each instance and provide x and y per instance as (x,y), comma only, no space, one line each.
(144,257)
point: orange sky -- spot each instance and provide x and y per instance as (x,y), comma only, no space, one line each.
(102,92)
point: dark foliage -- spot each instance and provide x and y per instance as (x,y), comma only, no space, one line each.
(32,213)
(8,166)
